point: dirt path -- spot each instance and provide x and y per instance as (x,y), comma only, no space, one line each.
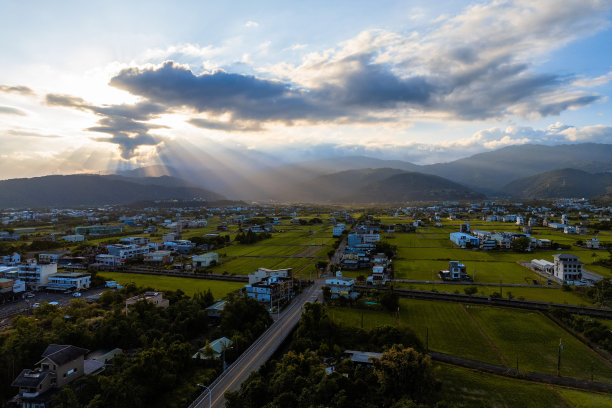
(484,335)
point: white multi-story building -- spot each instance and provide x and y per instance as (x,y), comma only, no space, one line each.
(262,274)
(128,251)
(109,260)
(593,243)
(36,275)
(204,261)
(567,267)
(48,258)
(340,285)
(69,281)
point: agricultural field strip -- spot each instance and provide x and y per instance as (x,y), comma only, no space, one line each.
(511,331)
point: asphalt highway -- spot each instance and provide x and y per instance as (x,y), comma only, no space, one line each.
(259,352)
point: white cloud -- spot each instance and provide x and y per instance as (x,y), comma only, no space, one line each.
(251,24)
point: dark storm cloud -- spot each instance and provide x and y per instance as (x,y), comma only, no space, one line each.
(19,89)
(127,124)
(245,96)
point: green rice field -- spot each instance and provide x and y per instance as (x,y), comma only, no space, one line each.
(190,286)
(489,334)
(476,389)
(544,294)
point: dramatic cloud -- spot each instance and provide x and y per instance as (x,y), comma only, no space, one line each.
(478,65)
(18,89)
(127,124)
(243,96)
(11,111)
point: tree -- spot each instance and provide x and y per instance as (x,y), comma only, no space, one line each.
(405,372)
(65,398)
(521,244)
(390,301)
(470,290)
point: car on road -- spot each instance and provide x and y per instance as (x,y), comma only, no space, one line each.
(76,294)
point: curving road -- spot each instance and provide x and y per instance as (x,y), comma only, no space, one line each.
(259,352)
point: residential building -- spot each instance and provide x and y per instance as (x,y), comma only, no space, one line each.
(340,286)
(262,274)
(338,230)
(362,358)
(128,251)
(60,365)
(69,281)
(464,240)
(110,261)
(36,275)
(48,258)
(271,289)
(74,238)
(543,266)
(593,243)
(378,276)
(135,240)
(158,258)
(181,246)
(157,298)
(205,260)
(217,346)
(567,267)
(10,260)
(457,271)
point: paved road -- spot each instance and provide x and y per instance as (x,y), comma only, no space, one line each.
(24,306)
(259,352)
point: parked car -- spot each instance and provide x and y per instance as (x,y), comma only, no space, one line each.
(35,305)
(30,295)
(76,294)
(54,303)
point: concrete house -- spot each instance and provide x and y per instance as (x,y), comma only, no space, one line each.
(204,261)
(60,365)
(567,268)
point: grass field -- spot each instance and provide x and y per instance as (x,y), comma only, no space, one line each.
(489,334)
(475,389)
(188,285)
(422,254)
(544,294)
(534,339)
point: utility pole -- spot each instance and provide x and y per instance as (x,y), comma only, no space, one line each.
(427,340)
(559,359)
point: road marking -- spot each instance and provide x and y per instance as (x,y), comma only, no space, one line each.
(273,336)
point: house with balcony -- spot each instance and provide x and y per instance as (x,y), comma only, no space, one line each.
(69,281)
(36,275)
(341,286)
(567,268)
(60,365)
(158,258)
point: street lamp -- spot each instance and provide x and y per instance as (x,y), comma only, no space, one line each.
(209,394)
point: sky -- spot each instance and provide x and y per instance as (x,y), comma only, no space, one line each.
(98,86)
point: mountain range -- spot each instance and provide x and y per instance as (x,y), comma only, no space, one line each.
(86,190)
(525,171)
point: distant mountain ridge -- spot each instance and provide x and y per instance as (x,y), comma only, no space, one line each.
(384,185)
(87,189)
(491,171)
(561,183)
